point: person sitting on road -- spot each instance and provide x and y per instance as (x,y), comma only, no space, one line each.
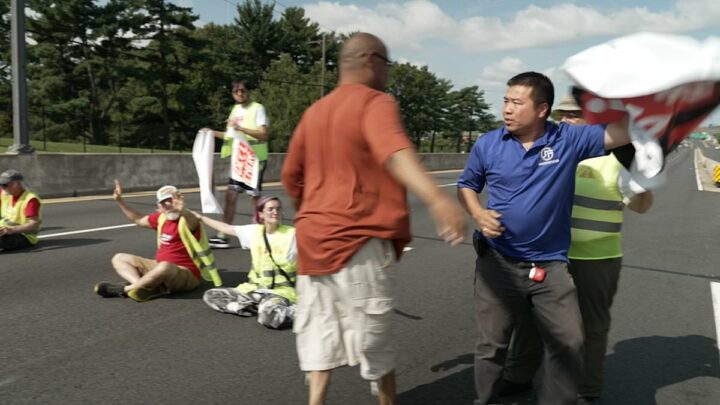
(270,290)
(19,212)
(182,256)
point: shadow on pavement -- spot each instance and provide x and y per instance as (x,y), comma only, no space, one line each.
(453,389)
(45,245)
(639,367)
(229,278)
(50,228)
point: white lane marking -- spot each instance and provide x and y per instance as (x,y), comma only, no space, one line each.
(448,185)
(407,249)
(715,288)
(697,173)
(104,228)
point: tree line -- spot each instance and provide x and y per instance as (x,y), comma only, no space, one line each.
(141,73)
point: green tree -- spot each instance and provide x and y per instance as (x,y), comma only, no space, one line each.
(300,38)
(259,37)
(286,92)
(5,71)
(423,100)
(167,30)
(468,113)
(60,72)
(77,65)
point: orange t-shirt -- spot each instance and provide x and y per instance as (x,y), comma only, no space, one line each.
(336,164)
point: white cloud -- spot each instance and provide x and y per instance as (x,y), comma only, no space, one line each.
(398,24)
(408,24)
(413,62)
(493,79)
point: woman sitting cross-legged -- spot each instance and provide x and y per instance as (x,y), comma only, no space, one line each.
(270,289)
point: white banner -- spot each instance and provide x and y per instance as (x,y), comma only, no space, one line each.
(202,153)
(666,84)
(644,63)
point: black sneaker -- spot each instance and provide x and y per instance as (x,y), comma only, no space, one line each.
(141,294)
(109,290)
(218,243)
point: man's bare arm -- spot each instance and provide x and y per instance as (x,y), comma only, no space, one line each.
(449,219)
(134,216)
(617,134)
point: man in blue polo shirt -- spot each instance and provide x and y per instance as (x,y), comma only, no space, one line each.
(528,169)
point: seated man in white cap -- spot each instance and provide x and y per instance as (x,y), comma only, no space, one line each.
(182,256)
(19,212)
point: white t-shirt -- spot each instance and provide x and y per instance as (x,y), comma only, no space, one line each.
(245,234)
(260,117)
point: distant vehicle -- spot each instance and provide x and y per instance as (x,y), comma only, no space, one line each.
(699,135)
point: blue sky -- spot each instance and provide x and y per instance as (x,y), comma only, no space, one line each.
(485,42)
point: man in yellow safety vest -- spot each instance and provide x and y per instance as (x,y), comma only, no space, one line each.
(249,118)
(20,212)
(182,257)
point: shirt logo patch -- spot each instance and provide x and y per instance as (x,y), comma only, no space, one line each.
(547,154)
(165,238)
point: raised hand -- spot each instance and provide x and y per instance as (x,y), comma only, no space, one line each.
(178,202)
(117,193)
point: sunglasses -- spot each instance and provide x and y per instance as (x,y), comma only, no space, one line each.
(387,61)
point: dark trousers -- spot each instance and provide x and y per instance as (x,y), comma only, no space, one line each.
(503,292)
(596,282)
(14,242)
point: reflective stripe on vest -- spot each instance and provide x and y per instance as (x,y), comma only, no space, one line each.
(261,275)
(198,249)
(249,121)
(597,213)
(15,215)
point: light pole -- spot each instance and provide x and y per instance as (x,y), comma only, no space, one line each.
(322,67)
(322,71)
(21,142)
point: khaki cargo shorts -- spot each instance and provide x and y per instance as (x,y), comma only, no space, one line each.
(345,318)
(183,280)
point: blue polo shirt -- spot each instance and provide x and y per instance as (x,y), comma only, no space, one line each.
(532,190)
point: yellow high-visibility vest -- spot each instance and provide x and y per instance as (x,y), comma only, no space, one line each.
(14,216)
(597,213)
(263,270)
(259,147)
(198,249)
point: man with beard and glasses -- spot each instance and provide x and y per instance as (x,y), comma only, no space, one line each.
(183,254)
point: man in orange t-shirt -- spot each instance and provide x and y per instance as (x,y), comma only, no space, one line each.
(346,171)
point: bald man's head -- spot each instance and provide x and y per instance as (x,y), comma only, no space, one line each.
(357,60)
(359,45)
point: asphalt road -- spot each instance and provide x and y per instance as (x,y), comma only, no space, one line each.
(61,344)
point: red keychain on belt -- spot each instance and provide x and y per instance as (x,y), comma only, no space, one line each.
(537,274)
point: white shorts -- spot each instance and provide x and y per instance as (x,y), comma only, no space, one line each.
(345,318)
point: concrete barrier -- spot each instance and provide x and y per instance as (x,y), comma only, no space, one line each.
(69,175)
